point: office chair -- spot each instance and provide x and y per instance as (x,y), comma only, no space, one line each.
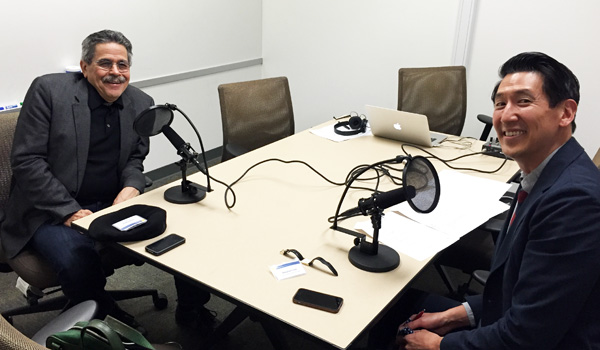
(12,339)
(254,114)
(472,254)
(487,126)
(31,267)
(493,226)
(440,93)
(597,158)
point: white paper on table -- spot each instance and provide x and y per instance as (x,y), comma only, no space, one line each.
(466,202)
(408,237)
(287,269)
(329,133)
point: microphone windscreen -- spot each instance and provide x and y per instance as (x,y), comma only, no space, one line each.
(387,199)
(421,175)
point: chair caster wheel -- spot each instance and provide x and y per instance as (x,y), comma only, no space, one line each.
(160,301)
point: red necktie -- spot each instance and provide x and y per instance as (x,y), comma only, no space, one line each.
(520,198)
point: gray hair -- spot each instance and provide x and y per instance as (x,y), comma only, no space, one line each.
(88,45)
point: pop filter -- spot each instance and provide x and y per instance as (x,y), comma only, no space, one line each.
(151,121)
(157,119)
(420,174)
(420,187)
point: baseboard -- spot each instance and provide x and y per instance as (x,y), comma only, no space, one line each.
(213,157)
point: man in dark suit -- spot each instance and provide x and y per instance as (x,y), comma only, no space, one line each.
(75,152)
(543,291)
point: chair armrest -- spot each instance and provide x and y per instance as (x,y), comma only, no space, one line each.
(481,276)
(4,266)
(83,311)
(148,180)
(233,150)
(487,120)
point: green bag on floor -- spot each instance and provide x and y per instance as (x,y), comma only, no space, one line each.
(109,334)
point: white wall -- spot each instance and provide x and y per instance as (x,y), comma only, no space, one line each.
(342,54)
(168,37)
(338,54)
(198,99)
(566,31)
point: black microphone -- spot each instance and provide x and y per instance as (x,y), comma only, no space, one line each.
(382,200)
(183,148)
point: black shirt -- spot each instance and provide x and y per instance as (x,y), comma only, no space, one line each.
(101,179)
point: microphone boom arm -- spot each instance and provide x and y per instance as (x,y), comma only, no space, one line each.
(398,159)
(371,256)
(195,160)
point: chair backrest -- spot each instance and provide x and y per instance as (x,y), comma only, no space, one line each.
(255,113)
(438,92)
(8,122)
(12,339)
(597,158)
(27,264)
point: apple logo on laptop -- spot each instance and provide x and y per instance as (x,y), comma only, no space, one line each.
(397,126)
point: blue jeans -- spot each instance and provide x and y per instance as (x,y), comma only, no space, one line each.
(79,268)
(74,258)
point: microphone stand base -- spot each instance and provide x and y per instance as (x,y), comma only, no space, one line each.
(192,194)
(385,260)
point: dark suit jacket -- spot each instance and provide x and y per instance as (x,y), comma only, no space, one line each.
(50,151)
(543,291)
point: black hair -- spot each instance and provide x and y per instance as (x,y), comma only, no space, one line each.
(88,46)
(558,82)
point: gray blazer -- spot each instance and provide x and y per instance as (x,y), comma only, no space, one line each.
(50,151)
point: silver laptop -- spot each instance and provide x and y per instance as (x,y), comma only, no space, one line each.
(402,126)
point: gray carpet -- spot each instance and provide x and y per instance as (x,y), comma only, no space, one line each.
(161,325)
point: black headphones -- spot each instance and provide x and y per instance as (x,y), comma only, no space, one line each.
(355,123)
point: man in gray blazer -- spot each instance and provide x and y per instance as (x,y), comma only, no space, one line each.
(75,152)
(543,291)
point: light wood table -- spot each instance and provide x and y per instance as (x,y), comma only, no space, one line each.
(281,206)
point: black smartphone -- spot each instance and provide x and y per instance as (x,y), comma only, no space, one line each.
(318,300)
(165,244)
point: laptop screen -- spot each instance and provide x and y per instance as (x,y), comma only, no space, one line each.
(402,126)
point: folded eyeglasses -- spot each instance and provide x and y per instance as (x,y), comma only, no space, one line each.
(307,262)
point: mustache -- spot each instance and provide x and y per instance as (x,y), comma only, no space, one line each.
(114,79)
